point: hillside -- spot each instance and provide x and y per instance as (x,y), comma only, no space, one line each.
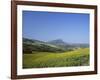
(61,44)
(79,57)
(31,45)
(39,54)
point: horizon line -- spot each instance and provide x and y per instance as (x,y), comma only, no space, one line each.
(57,39)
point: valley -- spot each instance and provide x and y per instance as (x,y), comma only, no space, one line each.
(56,53)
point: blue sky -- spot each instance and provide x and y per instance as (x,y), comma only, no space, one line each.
(47,26)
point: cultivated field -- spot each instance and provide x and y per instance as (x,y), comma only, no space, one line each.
(77,57)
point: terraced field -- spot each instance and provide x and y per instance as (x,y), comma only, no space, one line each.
(77,57)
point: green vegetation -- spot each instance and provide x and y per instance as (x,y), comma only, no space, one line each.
(77,57)
(57,53)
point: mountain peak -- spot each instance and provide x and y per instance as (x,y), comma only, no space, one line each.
(57,42)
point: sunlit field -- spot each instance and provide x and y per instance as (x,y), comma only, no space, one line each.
(77,57)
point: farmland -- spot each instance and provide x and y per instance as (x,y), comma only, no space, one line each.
(77,57)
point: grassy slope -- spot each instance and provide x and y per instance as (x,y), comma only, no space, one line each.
(79,57)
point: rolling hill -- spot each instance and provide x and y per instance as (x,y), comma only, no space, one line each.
(56,53)
(78,57)
(30,45)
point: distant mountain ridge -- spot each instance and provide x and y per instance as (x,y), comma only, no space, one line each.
(57,42)
(57,45)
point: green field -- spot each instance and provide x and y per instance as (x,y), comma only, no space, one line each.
(77,57)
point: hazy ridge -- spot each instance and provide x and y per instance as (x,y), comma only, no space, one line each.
(57,45)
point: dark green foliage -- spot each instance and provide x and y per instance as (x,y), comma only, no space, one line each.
(39,46)
(27,48)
